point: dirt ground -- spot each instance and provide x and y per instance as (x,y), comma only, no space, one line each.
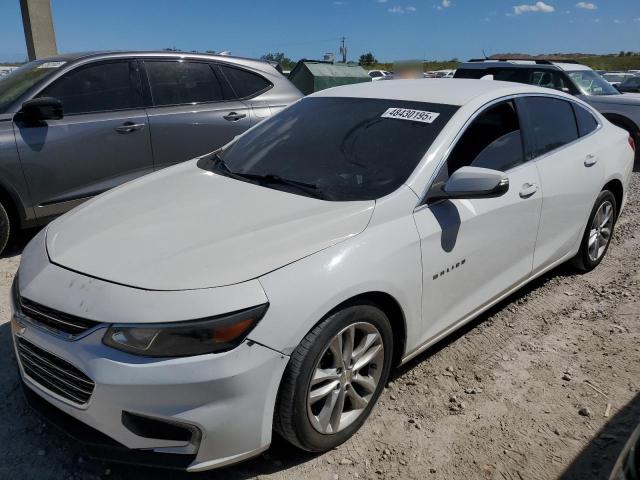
(545,385)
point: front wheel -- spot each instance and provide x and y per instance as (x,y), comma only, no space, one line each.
(334,378)
(597,235)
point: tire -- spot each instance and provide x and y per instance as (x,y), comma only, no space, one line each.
(5,228)
(299,419)
(586,260)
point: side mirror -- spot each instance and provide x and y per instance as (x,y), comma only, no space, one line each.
(475,182)
(43,108)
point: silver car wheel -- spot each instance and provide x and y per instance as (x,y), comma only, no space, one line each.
(345,378)
(600,232)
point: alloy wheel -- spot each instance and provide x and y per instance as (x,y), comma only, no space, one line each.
(345,378)
(600,231)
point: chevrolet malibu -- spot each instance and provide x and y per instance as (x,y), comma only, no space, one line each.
(271,285)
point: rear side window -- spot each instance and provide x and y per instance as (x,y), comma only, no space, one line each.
(552,123)
(473,73)
(586,122)
(97,88)
(245,84)
(179,83)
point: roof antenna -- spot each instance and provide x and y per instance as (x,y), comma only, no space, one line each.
(485,55)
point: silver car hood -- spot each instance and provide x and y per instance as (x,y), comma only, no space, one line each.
(186,228)
(624,99)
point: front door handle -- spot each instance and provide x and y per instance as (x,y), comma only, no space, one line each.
(234,117)
(590,160)
(128,127)
(528,189)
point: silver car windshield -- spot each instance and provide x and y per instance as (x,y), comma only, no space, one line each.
(338,149)
(20,80)
(591,83)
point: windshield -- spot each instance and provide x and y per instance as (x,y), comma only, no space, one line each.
(20,80)
(591,83)
(338,149)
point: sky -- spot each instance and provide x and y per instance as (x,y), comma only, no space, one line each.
(390,29)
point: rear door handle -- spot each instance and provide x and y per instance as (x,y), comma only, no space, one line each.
(234,117)
(128,127)
(528,189)
(590,160)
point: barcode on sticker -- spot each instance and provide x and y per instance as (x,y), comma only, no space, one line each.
(51,64)
(409,114)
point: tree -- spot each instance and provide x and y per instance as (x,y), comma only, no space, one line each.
(285,62)
(367,59)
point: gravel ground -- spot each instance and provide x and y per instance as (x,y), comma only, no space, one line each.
(545,385)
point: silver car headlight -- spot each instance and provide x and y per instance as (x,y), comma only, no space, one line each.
(184,339)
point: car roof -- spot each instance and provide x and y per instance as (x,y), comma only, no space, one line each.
(449,91)
(72,57)
(524,63)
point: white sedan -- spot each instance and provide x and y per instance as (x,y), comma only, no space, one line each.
(273,284)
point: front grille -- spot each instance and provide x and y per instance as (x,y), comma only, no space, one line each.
(55,320)
(54,373)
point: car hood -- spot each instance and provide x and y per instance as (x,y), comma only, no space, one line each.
(624,99)
(187,228)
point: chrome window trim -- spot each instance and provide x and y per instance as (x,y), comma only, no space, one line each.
(445,156)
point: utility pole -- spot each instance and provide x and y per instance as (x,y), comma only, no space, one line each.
(38,28)
(343,49)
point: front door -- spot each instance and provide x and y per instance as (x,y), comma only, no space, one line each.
(475,250)
(102,141)
(194,110)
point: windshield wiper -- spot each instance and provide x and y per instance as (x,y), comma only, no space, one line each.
(269,178)
(309,188)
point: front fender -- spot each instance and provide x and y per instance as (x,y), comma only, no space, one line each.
(384,258)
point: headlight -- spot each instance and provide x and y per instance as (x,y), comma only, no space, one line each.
(183,339)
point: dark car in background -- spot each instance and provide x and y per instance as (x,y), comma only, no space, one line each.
(568,76)
(630,85)
(76,125)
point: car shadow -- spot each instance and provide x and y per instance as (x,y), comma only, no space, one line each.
(69,457)
(597,459)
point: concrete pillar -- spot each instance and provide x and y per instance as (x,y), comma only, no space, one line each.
(38,28)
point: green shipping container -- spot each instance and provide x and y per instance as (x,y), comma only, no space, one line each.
(311,76)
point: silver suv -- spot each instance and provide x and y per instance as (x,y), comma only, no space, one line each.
(570,77)
(76,125)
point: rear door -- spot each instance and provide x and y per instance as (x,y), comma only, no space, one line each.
(102,141)
(570,168)
(193,111)
(249,87)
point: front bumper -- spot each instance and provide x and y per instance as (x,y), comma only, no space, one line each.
(228,398)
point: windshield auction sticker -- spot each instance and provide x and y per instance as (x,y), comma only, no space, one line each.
(411,115)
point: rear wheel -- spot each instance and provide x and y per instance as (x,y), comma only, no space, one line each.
(597,235)
(5,227)
(334,378)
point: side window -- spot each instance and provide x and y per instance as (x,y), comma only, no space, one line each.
(97,88)
(552,122)
(493,140)
(179,83)
(375,74)
(586,122)
(518,75)
(244,83)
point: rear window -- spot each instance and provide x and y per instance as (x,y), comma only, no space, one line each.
(245,84)
(586,121)
(347,148)
(552,121)
(179,83)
